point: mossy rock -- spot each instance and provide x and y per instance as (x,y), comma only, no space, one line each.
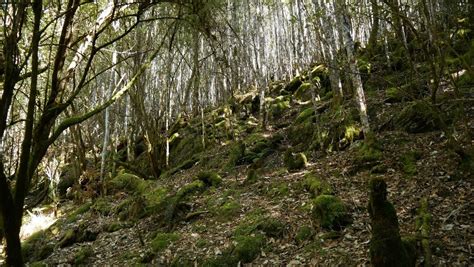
(209,178)
(128,182)
(303,92)
(315,186)
(279,107)
(420,117)
(248,248)
(304,233)
(294,162)
(236,154)
(132,209)
(162,240)
(330,212)
(293,85)
(304,115)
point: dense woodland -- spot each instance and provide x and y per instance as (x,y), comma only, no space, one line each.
(229,133)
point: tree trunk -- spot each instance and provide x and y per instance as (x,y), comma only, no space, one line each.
(345,31)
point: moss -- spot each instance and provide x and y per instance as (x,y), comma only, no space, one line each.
(38,264)
(386,246)
(279,106)
(79,211)
(228,210)
(278,189)
(224,260)
(304,115)
(330,212)
(83,255)
(304,233)
(210,178)
(294,162)
(132,208)
(248,248)
(408,162)
(113,227)
(102,206)
(423,225)
(316,186)
(128,182)
(68,238)
(163,240)
(420,117)
(36,248)
(368,153)
(303,92)
(272,227)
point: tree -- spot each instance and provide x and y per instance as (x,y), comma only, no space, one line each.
(43,126)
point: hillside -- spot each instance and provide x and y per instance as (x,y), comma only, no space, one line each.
(251,197)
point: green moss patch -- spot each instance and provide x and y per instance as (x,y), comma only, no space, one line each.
(408,161)
(209,178)
(330,212)
(303,234)
(128,182)
(163,240)
(248,248)
(228,210)
(315,186)
(37,247)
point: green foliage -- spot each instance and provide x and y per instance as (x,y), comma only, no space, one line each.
(304,233)
(294,162)
(330,212)
(394,95)
(315,186)
(68,238)
(83,255)
(278,189)
(209,178)
(163,240)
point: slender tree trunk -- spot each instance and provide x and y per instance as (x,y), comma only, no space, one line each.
(374,31)
(345,31)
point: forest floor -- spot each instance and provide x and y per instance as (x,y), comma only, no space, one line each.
(278,196)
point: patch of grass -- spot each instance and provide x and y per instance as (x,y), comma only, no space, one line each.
(163,240)
(201,243)
(304,233)
(408,161)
